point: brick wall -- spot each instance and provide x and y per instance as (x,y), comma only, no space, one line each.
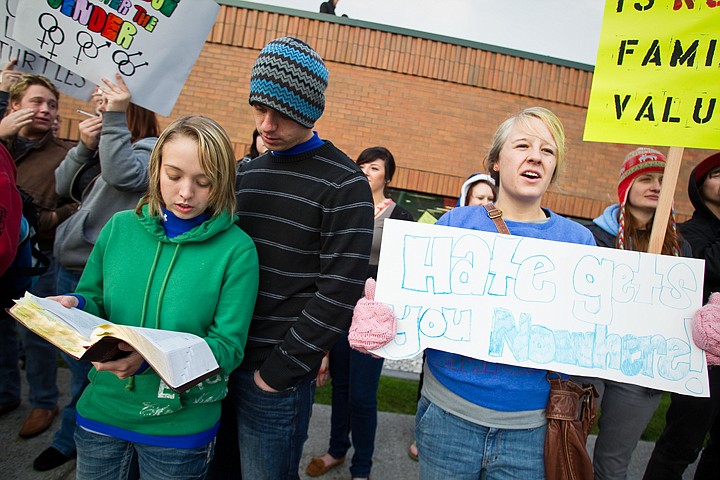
(433,101)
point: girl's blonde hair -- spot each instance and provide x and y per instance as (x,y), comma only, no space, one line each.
(548,118)
(217,160)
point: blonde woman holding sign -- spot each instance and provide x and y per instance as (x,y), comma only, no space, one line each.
(476,418)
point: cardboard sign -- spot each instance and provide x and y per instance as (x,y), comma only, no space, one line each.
(656,75)
(576,309)
(29,61)
(153,44)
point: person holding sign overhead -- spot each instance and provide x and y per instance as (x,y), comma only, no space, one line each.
(690,419)
(477,418)
(626,409)
(192,270)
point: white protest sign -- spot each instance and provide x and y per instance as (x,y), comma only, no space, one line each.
(153,44)
(29,61)
(576,309)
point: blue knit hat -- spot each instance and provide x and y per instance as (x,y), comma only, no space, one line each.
(290,77)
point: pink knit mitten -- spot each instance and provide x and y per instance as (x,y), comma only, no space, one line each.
(706,329)
(373,324)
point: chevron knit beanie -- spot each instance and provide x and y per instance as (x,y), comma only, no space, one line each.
(291,78)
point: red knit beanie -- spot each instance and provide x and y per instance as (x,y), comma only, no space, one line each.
(638,162)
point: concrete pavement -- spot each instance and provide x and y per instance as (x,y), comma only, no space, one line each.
(395,432)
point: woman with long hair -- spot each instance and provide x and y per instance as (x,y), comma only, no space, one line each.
(626,409)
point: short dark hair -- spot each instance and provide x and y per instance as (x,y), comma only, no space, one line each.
(379,153)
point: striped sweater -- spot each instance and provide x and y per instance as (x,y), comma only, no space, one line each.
(311,217)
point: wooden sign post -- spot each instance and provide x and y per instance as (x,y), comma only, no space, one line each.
(667,193)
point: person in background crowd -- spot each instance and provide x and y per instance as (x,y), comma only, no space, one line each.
(475,418)
(627,409)
(690,419)
(257,148)
(26,131)
(477,190)
(106,172)
(182,238)
(328,7)
(10,213)
(355,375)
(309,209)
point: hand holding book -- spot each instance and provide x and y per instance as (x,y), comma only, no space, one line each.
(181,359)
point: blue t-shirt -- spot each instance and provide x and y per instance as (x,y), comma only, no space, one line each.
(500,387)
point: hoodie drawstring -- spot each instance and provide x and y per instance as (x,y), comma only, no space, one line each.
(130,385)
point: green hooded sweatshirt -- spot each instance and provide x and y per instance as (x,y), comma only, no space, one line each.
(202,282)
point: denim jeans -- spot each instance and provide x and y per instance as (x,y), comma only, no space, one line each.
(450,447)
(355,380)
(272,427)
(64,442)
(687,422)
(625,411)
(40,355)
(107,458)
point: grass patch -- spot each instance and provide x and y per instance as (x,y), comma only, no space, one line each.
(397,395)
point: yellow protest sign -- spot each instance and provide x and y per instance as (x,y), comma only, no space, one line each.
(657,75)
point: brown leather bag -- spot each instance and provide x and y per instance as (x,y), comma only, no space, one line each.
(571,412)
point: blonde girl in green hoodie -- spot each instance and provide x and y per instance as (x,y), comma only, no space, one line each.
(178,262)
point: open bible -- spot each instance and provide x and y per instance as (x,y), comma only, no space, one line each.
(180,359)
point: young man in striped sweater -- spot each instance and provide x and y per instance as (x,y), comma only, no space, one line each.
(309,209)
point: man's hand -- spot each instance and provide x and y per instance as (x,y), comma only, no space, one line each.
(324,372)
(90,129)
(123,368)
(9,76)
(261,383)
(11,124)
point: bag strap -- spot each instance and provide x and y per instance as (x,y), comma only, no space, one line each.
(495,215)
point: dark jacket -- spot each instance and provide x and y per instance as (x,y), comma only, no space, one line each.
(36,175)
(702,232)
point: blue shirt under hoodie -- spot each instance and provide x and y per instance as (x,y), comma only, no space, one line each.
(496,389)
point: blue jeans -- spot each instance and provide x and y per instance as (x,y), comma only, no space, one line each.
(451,447)
(355,380)
(107,458)
(40,356)
(272,427)
(64,442)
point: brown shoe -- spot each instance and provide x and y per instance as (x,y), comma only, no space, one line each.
(38,421)
(317,467)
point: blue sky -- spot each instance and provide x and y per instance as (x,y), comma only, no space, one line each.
(566,29)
